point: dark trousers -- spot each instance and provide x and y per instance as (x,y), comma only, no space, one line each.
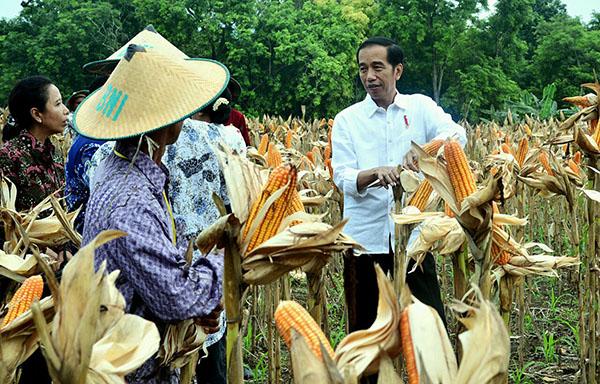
(423,284)
(212,369)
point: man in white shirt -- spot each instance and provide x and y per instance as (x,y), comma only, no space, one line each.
(369,140)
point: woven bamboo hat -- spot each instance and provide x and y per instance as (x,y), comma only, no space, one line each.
(148,91)
(147,38)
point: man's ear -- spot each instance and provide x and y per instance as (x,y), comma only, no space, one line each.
(398,71)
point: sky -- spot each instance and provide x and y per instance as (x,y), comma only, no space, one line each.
(582,8)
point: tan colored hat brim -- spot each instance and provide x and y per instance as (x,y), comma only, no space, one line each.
(149,92)
(148,38)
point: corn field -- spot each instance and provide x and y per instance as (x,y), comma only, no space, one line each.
(512,221)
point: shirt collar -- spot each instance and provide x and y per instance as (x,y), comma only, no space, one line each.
(27,137)
(157,175)
(371,106)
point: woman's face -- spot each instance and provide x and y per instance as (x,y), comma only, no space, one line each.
(55,117)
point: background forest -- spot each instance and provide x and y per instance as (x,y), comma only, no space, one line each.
(293,53)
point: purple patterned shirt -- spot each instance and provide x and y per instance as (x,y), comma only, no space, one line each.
(155,280)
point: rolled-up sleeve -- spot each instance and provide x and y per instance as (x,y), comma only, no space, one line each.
(158,272)
(344,160)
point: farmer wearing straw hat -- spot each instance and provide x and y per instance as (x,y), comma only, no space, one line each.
(142,106)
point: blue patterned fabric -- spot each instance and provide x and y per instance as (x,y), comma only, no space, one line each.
(155,279)
(77,190)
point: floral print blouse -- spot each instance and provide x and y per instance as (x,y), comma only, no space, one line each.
(33,167)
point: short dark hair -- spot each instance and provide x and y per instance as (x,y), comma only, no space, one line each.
(395,55)
(31,92)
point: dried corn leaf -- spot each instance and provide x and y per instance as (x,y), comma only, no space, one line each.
(307,367)
(387,374)
(362,349)
(543,265)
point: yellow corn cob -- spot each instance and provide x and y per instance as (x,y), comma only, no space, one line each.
(477,134)
(577,158)
(295,127)
(330,122)
(327,153)
(433,147)
(264,142)
(421,196)
(295,206)
(273,156)
(277,131)
(270,224)
(507,149)
(596,134)
(498,255)
(546,163)
(290,314)
(262,127)
(574,167)
(322,123)
(311,157)
(461,176)
(31,289)
(566,148)
(522,151)
(305,164)
(527,130)
(288,139)
(447,210)
(408,349)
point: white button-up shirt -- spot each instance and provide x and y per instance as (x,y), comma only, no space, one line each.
(366,136)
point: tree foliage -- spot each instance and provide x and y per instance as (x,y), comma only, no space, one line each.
(292,53)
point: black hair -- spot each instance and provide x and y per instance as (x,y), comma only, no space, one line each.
(97,82)
(31,92)
(221,115)
(395,55)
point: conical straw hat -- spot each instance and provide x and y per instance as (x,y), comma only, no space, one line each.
(147,38)
(148,91)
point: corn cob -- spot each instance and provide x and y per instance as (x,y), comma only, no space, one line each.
(496,152)
(273,156)
(447,210)
(290,314)
(262,127)
(477,134)
(330,122)
(311,157)
(527,130)
(408,349)
(574,167)
(577,158)
(546,163)
(421,196)
(522,151)
(277,131)
(305,164)
(288,139)
(433,147)
(296,127)
(566,148)
(327,153)
(499,256)
(507,149)
(596,134)
(317,153)
(295,206)
(31,289)
(328,165)
(264,142)
(461,176)
(270,224)
(322,123)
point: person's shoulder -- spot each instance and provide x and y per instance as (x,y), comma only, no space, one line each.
(354,109)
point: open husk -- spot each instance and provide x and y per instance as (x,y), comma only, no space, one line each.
(361,350)
(90,314)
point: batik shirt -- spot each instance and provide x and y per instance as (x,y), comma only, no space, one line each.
(77,190)
(194,175)
(33,167)
(156,281)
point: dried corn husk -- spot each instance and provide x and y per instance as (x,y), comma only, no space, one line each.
(486,344)
(90,313)
(19,339)
(307,367)
(361,350)
(180,342)
(293,248)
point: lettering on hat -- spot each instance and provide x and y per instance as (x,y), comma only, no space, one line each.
(109,100)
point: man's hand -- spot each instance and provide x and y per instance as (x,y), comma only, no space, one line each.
(57,259)
(210,322)
(410,161)
(387,175)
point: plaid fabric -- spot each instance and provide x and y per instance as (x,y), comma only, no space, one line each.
(32,167)
(155,280)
